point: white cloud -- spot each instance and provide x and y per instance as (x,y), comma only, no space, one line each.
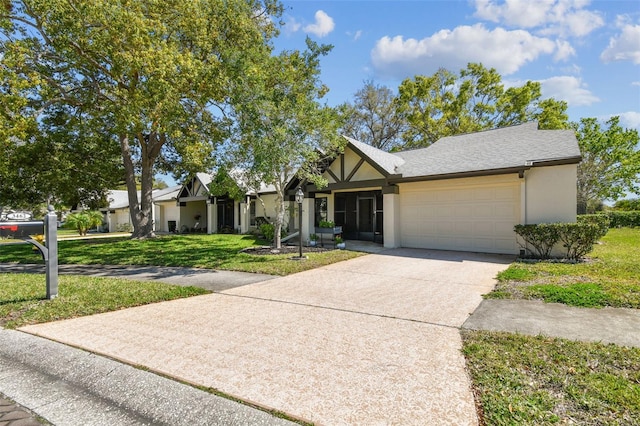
(291,25)
(630,119)
(354,36)
(561,17)
(324,25)
(624,47)
(569,89)
(504,50)
(564,50)
(635,83)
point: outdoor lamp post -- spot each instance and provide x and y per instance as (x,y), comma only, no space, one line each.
(299,199)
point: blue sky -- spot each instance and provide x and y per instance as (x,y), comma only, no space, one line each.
(584,52)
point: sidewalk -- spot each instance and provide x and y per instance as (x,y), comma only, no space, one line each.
(607,325)
(69,386)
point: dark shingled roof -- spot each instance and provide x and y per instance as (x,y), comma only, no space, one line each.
(512,147)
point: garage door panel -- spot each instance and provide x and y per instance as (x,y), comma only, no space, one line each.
(475,218)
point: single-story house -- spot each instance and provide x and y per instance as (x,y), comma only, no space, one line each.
(202,211)
(118,218)
(464,192)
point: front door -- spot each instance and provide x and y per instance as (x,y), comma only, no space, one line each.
(225,216)
(359,214)
(365,218)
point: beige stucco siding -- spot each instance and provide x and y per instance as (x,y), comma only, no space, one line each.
(366,172)
(470,214)
(346,167)
(551,194)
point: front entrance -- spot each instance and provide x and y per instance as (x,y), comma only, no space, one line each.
(360,215)
(225,216)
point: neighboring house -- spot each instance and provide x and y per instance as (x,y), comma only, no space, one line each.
(202,211)
(118,217)
(463,192)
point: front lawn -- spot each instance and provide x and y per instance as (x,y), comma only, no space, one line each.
(216,251)
(525,380)
(22,297)
(609,277)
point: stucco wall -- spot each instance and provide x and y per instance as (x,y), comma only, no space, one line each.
(551,194)
(165,212)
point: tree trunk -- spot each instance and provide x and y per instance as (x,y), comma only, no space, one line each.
(277,236)
(141,211)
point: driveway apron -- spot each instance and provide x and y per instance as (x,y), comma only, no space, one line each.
(373,340)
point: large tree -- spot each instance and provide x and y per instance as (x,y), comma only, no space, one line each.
(446,104)
(160,74)
(610,162)
(372,117)
(285,132)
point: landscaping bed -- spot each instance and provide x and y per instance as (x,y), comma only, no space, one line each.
(609,276)
(268,250)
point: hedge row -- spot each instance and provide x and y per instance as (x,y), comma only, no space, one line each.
(577,238)
(621,219)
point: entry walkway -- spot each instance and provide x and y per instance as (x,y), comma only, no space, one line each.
(373,340)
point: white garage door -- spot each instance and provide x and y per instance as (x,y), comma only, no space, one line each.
(468,215)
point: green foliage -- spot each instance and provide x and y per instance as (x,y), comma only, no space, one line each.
(372,118)
(215,251)
(577,238)
(528,380)
(326,224)
(313,237)
(445,104)
(602,221)
(586,295)
(542,238)
(610,161)
(627,204)
(268,231)
(154,80)
(614,268)
(514,273)
(224,184)
(83,221)
(283,131)
(22,297)
(629,219)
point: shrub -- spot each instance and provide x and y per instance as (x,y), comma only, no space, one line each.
(620,219)
(602,221)
(268,230)
(541,237)
(628,205)
(577,238)
(83,221)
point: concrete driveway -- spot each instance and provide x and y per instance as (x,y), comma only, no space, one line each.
(373,340)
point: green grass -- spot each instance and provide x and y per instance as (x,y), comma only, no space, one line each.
(22,297)
(528,380)
(199,251)
(610,277)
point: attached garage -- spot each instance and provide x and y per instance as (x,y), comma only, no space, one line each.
(468,214)
(464,192)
